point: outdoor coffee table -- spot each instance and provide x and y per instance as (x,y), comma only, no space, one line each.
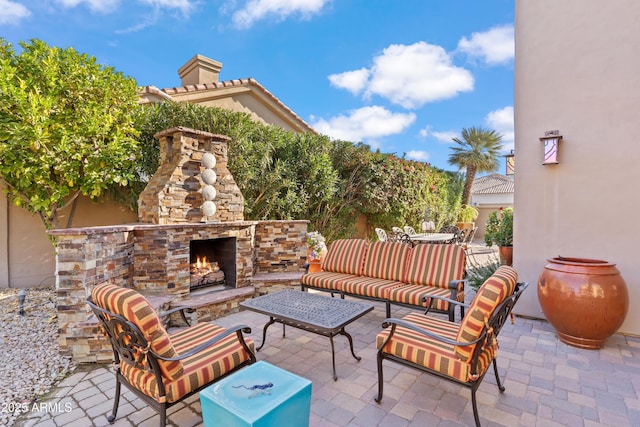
(319,314)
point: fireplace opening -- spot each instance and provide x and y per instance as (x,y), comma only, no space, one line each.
(212,263)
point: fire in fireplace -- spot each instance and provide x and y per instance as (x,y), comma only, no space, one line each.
(213,263)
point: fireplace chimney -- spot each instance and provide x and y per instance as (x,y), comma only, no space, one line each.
(192,183)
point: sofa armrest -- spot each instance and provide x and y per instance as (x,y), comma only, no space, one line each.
(454,283)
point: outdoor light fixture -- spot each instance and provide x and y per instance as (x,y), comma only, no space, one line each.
(21,297)
(510,163)
(551,139)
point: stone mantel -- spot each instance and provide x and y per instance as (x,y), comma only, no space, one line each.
(140,226)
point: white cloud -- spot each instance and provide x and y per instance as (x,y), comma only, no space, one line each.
(12,12)
(421,156)
(495,46)
(502,122)
(353,81)
(255,10)
(445,136)
(184,6)
(442,136)
(409,76)
(108,6)
(100,6)
(364,124)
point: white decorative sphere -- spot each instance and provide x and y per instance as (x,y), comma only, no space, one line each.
(209,160)
(209,176)
(209,208)
(209,192)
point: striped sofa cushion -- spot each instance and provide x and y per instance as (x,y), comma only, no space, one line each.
(412,294)
(345,256)
(493,291)
(199,369)
(436,265)
(325,280)
(386,260)
(369,286)
(135,308)
(431,353)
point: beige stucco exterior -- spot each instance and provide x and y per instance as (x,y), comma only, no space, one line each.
(577,70)
(27,257)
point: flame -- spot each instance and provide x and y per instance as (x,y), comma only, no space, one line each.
(203,264)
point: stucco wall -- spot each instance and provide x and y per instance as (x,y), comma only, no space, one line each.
(577,71)
(27,257)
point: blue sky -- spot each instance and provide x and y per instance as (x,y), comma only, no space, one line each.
(404,76)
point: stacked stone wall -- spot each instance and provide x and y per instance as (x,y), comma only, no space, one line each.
(280,246)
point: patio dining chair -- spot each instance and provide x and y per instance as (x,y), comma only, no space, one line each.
(460,353)
(452,229)
(397,230)
(382,235)
(409,230)
(164,368)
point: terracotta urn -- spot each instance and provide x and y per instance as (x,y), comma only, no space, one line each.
(585,300)
(506,254)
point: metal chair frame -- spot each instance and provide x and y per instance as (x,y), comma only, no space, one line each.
(129,346)
(488,336)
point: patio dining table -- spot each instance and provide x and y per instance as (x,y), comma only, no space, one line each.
(432,237)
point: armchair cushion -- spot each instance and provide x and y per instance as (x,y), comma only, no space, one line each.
(436,265)
(493,291)
(345,256)
(430,352)
(139,311)
(200,369)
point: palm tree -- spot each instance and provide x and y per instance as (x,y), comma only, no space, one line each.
(477,151)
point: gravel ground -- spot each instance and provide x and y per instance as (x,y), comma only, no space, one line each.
(31,363)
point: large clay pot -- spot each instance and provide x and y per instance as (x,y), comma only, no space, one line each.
(585,300)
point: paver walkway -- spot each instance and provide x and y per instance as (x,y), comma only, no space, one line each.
(547,384)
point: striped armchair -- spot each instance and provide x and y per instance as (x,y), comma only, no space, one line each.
(461,353)
(161,368)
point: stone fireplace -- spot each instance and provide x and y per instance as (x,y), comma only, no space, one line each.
(192,208)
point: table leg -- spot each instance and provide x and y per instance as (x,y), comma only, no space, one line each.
(343,332)
(264,332)
(333,358)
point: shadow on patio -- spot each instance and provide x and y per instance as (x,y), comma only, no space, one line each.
(547,383)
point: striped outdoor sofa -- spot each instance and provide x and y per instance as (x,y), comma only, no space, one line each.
(394,273)
(162,368)
(458,352)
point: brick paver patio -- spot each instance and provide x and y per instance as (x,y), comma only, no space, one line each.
(547,383)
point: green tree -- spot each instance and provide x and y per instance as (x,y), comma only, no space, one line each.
(477,151)
(67,127)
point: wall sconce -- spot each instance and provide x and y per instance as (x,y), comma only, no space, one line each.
(551,139)
(510,160)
